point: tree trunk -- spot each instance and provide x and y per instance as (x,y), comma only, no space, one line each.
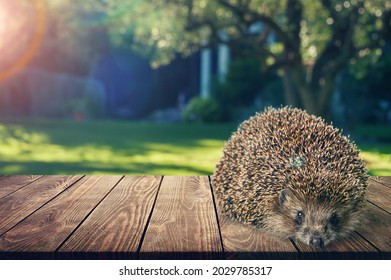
(290,93)
(299,93)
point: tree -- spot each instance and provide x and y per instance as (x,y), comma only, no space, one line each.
(307,41)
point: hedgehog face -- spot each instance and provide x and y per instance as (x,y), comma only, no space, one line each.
(313,222)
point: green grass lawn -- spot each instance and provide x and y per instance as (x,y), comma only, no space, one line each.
(108,147)
(111,147)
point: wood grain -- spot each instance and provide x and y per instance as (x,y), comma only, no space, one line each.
(380,195)
(117,224)
(172,217)
(385,180)
(184,219)
(377,228)
(18,205)
(48,227)
(10,184)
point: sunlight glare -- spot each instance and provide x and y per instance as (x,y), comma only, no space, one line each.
(22,27)
(2,27)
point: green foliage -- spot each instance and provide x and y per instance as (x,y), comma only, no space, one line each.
(357,97)
(379,74)
(162,29)
(309,41)
(89,105)
(380,133)
(234,97)
(273,93)
(203,110)
(242,83)
(364,85)
(240,87)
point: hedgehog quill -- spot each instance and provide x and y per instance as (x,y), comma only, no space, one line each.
(292,175)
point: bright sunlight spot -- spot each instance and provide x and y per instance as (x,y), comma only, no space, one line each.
(22,27)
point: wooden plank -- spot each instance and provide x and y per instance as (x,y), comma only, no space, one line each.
(385,180)
(118,223)
(183,220)
(377,228)
(10,184)
(380,195)
(18,205)
(48,227)
(41,214)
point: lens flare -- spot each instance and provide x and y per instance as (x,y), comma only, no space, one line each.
(36,38)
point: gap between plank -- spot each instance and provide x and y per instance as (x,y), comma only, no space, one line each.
(299,253)
(378,207)
(89,213)
(44,203)
(39,177)
(217,216)
(369,242)
(379,181)
(149,218)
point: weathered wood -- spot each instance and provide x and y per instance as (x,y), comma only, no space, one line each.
(49,226)
(380,195)
(385,180)
(10,184)
(376,228)
(244,241)
(184,219)
(117,224)
(106,216)
(18,205)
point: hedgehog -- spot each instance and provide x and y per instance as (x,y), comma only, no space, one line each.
(290,174)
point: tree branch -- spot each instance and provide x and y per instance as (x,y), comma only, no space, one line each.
(340,48)
(249,17)
(294,11)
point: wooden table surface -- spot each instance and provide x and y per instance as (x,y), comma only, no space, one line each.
(144,217)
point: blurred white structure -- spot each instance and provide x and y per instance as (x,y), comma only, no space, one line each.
(205,72)
(209,58)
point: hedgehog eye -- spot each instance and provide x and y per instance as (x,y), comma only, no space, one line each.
(334,219)
(299,217)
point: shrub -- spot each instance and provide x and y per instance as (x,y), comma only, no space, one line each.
(203,110)
(242,90)
(243,82)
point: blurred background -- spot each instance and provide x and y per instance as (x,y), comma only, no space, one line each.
(157,86)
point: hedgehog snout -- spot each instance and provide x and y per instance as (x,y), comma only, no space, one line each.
(316,241)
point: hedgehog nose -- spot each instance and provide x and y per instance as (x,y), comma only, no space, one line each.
(316,241)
